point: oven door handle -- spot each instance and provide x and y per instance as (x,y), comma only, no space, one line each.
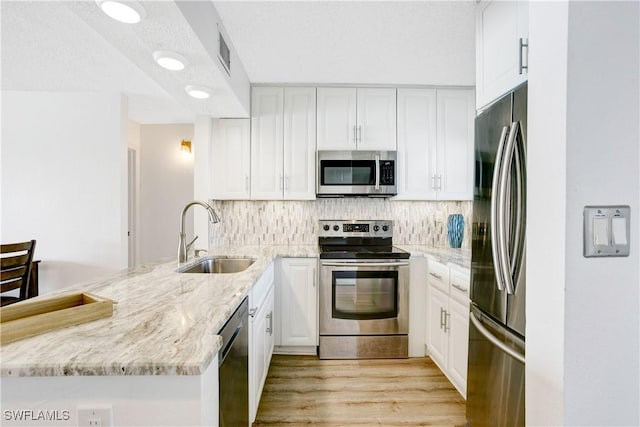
(364,264)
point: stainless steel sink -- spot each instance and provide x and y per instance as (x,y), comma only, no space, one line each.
(219,264)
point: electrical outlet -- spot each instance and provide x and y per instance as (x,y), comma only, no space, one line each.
(95,416)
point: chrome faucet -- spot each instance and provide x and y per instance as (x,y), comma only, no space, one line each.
(183,246)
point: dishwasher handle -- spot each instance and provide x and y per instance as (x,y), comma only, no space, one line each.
(227,346)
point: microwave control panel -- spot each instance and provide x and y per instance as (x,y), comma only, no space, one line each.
(387,172)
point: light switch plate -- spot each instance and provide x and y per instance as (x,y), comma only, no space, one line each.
(604,228)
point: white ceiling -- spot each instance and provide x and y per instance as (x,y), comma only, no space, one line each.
(72,46)
(366,42)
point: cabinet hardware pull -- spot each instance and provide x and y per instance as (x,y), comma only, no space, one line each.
(442,312)
(355,135)
(524,43)
(270,327)
(439,182)
(447,317)
(437,276)
(460,288)
(359,135)
(252,311)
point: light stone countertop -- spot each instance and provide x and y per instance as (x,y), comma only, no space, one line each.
(164,322)
(458,257)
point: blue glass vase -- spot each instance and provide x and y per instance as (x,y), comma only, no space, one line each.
(455,230)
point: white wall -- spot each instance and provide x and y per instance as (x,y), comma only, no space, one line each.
(546,241)
(166,185)
(583,326)
(63,174)
(602,296)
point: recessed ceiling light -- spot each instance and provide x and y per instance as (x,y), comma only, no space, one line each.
(170,60)
(199,92)
(127,11)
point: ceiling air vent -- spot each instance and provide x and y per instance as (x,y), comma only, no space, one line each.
(224,54)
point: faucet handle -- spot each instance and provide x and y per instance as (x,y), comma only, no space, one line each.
(191,243)
(198,251)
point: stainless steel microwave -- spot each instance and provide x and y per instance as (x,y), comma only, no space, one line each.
(356,173)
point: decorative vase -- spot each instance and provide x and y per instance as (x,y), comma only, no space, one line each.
(455,230)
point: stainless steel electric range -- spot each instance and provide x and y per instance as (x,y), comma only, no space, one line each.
(364,291)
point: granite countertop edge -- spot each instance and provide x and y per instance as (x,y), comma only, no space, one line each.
(143,337)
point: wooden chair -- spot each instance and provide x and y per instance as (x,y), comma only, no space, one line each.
(15,271)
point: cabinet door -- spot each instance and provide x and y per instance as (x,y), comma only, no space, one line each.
(499,27)
(336,118)
(299,302)
(458,323)
(267,179)
(258,368)
(455,133)
(299,143)
(436,335)
(376,119)
(416,144)
(231,161)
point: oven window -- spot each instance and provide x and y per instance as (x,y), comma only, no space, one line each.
(347,172)
(364,295)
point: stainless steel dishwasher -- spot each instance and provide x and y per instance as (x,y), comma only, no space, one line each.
(234,370)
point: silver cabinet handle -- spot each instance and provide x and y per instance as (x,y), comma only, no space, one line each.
(447,317)
(437,276)
(442,319)
(270,326)
(523,43)
(359,134)
(495,241)
(495,341)
(439,182)
(460,288)
(355,134)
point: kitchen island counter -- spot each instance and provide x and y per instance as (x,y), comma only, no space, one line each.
(164,322)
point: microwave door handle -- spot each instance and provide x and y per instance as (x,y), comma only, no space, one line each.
(495,241)
(377,160)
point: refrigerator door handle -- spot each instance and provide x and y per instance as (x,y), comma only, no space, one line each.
(495,341)
(521,203)
(495,241)
(505,179)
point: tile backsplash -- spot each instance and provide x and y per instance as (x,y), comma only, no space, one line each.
(296,222)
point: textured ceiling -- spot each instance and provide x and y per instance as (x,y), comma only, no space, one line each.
(399,42)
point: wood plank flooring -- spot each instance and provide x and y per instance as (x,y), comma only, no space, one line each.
(303,390)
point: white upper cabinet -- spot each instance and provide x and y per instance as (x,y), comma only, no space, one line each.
(416,144)
(336,118)
(502,27)
(455,129)
(435,144)
(299,143)
(231,159)
(283,143)
(356,119)
(267,113)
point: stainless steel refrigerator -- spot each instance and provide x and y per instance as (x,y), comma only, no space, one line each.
(495,379)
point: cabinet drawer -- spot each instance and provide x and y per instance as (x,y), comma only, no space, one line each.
(459,280)
(438,276)
(262,287)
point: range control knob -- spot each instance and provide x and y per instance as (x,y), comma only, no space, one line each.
(325,227)
(376,228)
(336,228)
(385,228)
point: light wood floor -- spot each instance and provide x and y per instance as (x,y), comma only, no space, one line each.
(303,390)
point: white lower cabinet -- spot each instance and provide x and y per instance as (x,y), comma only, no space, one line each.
(447,329)
(261,338)
(297,306)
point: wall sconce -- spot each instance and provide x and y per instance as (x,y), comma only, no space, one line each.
(185,148)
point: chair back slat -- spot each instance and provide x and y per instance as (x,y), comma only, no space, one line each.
(14,261)
(10,285)
(15,270)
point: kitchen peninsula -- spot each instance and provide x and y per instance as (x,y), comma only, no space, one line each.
(154,362)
